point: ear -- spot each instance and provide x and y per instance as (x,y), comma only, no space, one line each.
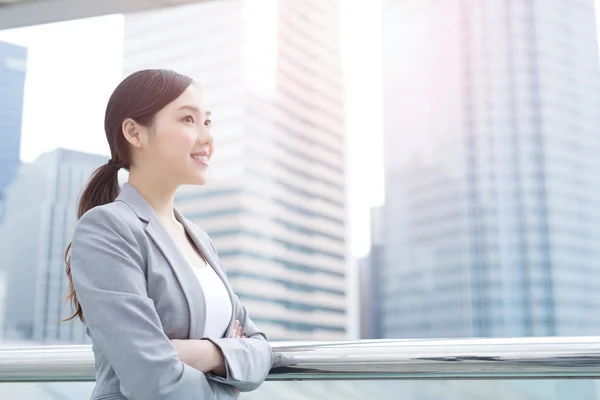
(132,131)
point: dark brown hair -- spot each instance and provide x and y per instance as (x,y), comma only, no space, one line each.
(139,97)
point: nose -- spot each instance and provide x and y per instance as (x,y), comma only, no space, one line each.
(205,136)
(205,139)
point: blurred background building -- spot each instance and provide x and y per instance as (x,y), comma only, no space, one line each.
(3,286)
(370,279)
(41,214)
(13,67)
(491,152)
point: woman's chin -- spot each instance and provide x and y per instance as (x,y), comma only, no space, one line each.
(198,180)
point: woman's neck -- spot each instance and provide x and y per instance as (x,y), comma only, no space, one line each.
(159,196)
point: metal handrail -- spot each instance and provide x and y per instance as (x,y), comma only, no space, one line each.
(532,358)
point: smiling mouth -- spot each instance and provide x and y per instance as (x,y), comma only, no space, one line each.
(201,158)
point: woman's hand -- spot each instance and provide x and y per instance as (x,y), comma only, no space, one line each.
(238,330)
(237,333)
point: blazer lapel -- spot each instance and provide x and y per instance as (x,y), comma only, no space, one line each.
(192,291)
(188,282)
(210,257)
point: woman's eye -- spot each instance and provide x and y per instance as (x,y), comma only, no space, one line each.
(208,123)
(189,118)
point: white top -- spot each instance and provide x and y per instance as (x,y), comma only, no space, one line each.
(218,304)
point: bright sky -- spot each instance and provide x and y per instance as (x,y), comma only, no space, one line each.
(74,66)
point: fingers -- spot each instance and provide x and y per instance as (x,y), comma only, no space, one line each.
(236,327)
(237,331)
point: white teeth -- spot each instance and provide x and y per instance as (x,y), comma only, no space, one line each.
(200,158)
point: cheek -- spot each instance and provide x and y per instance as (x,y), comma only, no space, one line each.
(177,141)
(184,138)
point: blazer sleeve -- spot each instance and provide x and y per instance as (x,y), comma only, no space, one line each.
(248,360)
(107,268)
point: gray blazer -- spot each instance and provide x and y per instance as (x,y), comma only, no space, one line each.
(137,292)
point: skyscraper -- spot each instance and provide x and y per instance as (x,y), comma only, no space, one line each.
(275,203)
(41,208)
(2,301)
(370,280)
(492,143)
(13,66)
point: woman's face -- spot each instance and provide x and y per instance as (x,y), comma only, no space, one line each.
(178,147)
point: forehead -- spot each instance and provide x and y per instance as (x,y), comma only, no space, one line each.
(192,97)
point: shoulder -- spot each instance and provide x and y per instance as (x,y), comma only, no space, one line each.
(108,231)
(112,218)
(115,212)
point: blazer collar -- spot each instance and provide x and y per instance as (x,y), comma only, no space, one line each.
(130,196)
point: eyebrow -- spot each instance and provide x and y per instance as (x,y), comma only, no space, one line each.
(195,109)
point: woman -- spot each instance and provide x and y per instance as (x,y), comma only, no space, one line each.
(163,319)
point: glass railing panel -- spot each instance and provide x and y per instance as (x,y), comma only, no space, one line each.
(46,390)
(557,389)
(429,390)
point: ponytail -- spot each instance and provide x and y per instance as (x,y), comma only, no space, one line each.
(103,188)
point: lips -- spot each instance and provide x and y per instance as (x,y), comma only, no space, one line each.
(201,158)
